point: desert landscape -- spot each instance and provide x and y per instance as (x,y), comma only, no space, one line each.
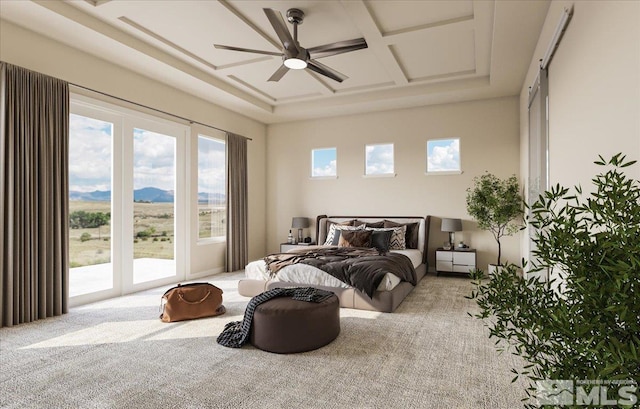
(153,232)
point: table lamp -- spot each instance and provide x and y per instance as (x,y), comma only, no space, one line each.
(451,226)
(300,223)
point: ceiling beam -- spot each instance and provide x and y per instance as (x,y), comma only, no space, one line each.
(454,24)
(363,19)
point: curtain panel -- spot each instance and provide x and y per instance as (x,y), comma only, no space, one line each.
(34,191)
(237,205)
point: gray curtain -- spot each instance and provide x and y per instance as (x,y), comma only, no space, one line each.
(237,225)
(34,191)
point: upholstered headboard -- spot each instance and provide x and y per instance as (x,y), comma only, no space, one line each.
(423,227)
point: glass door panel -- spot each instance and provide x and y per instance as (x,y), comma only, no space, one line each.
(90,185)
(154,181)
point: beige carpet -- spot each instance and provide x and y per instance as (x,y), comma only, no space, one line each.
(117,354)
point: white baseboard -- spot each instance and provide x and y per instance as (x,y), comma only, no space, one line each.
(206,273)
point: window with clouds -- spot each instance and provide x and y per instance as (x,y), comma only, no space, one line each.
(379,159)
(443,156)
(212,182)
(323,163)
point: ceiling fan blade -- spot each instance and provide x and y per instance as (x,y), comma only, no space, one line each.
(279,73)
(337,48)
(322,69)
(246,50)
(280,27)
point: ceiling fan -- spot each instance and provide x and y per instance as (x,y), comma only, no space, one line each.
(296,57)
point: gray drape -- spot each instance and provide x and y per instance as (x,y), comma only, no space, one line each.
(237,224)
(34,191)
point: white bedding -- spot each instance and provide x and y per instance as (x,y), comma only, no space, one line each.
(305,274)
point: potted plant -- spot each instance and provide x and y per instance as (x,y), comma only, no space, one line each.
(496,204)
(582,324)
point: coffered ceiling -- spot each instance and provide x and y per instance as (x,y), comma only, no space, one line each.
(419,52)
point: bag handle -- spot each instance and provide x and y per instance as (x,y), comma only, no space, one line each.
(194,302)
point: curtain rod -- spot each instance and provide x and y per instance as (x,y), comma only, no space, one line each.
(191,121)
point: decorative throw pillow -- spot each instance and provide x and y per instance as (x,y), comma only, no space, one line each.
(355,238)
(331,239)
(381,239)
(411,238)
(397,241)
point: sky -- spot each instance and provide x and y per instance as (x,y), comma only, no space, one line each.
(91,157)
(90,154)
(211,165)
(324,162)
(443,155)
(379,159)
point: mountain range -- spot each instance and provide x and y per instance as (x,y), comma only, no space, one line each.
(146,194)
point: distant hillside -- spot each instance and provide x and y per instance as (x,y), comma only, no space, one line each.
(146,194)
(153,195)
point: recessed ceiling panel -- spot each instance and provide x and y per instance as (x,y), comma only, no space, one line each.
(398,15)
(436,55)
(362,68)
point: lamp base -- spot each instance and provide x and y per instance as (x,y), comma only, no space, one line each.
(300,239)
(452,240)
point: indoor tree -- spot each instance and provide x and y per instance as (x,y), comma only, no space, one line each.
(495,204)
(582,324)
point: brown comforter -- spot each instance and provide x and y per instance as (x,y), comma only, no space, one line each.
(362,268)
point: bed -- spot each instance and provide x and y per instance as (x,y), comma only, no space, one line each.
(385,297)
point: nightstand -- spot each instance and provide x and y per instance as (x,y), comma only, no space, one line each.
(284,247)
(455,261)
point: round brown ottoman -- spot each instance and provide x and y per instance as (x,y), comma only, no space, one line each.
(284,325)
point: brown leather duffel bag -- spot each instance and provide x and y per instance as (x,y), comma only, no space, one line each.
(191,301)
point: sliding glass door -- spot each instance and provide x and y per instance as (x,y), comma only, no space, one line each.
(127,196)
(154,186)
(91,141)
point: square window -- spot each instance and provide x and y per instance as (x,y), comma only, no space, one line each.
(379,160)
(443,156)
(323,163)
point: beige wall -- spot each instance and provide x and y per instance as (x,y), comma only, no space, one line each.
(33,51)
(594,89)
(489,138)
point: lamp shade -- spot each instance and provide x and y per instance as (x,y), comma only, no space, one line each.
(451,225)
(300,222)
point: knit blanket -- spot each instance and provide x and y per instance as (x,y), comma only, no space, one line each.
(236,334)
(361,268)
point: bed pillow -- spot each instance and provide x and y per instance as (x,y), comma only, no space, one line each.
(381,239)
(411,237)
(397,241)
(333,234)
(355,238)
(379,224)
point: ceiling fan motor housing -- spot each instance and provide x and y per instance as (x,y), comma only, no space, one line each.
(295,16)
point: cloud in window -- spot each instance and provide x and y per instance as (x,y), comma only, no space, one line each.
(211,166)
(443,155)
(89,154)
(328,170)
(324,162)
(379,159)
(153,160)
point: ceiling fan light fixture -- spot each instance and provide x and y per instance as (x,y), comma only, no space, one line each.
(295,63)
